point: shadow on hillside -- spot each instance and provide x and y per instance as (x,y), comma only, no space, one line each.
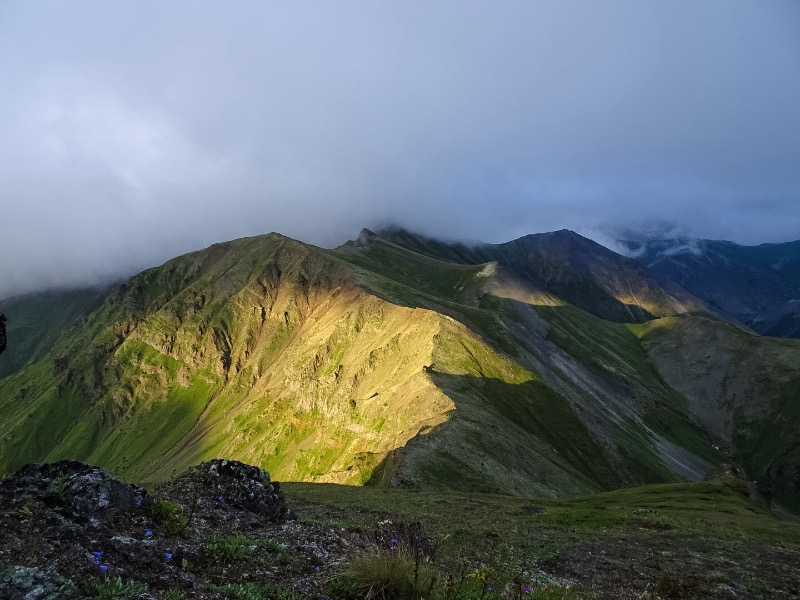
(521,438)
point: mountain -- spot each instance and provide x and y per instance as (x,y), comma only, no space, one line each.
(546,366)
(568,266)
(758,286)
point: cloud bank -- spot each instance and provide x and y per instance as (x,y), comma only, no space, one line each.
(130,133)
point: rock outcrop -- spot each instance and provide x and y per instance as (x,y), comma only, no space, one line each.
(72,530)
(82,493)
(230,484)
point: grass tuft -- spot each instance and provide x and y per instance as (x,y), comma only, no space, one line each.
(170,516)
(255,591)
(117,589)
(230,548)
(387,575)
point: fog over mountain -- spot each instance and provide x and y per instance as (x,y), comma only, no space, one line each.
(132,133)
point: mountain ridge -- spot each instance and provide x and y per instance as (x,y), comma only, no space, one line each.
(376,363)
(757,286)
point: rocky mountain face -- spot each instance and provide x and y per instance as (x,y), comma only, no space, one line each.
(545,366)
(758,286)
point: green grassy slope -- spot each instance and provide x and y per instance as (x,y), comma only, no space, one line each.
(373,363)
(35,321)
(690,540)
(272,352)
(598,368)
(743,388)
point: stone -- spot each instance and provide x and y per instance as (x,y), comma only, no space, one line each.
(82,492)
(228,482)
(32,583)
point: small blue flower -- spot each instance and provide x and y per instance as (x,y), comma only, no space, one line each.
(168,556)
(220,499)
(104,569)
(527,589)
(148,533)
(98,556)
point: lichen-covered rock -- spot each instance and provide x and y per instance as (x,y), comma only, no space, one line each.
(235,484)
(32,583)
(81,492)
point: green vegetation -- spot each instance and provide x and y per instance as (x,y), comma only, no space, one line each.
(387,574)
(400,575)
(36,321)
(512,544)
(254,591)
(170,516)
(382,364)
(512,529)
(117,589)
(229,549)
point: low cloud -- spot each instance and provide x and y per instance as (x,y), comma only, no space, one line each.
(132,133)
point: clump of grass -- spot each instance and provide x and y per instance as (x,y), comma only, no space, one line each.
(401,565)
(230,548)
(117,589)
(272,546)
(397,576)
(171,517)
(385,574)
(59,486)
(254,591)
(173,595)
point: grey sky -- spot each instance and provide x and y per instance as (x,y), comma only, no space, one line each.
(131,132)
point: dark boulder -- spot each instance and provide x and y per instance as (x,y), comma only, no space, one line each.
(81,492)
(232,484)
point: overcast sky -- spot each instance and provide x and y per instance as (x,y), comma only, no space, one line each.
(134,131)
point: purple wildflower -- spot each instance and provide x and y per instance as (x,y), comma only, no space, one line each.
(527,589)
(148,533)
(98,556)
(104,569)
(168,556)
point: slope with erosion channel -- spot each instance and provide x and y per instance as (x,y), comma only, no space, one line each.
(274,352)
(616,408)
(743,388)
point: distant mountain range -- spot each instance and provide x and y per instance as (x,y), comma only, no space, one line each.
(758,286)
(548,365)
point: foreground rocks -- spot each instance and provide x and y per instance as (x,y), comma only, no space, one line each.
(85,494)
(68,529)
